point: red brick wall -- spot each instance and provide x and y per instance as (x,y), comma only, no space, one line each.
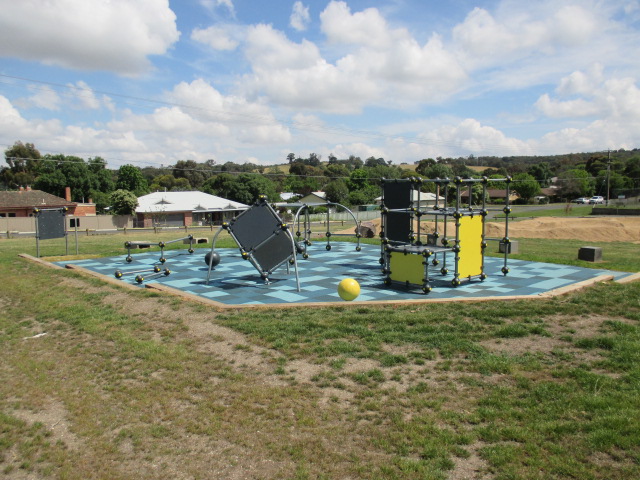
(83,210)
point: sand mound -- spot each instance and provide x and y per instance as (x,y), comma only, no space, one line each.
(594,229)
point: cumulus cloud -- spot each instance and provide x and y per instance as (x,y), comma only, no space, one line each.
(44,97)
(218,37)
(201,124)
(214,4)
(379,66)
(482,39)
(471,136)
(117,36)
(614,98)
(299,17)
(366,28)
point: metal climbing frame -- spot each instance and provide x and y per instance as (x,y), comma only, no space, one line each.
(263,239)
(142,244)
(406,259)
(302,222)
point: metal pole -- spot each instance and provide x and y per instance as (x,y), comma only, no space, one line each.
(76,230)
(608,175)
(37,236)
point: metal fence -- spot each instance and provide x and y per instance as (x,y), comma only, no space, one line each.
(27,225)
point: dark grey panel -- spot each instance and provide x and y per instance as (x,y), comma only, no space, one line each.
(274,251)
(397,194)
(254,226)
(398,226)
(51,224)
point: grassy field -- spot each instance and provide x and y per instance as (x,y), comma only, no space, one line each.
(565,210)
(100,382)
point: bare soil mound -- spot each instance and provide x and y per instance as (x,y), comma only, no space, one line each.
(595,229)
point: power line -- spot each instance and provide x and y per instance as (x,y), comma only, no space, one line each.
(78,91)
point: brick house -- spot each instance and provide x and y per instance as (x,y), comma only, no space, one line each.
(21,203)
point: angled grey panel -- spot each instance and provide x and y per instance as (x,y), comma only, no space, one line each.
(254,226)
(274,251)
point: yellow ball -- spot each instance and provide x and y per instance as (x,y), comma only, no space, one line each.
(348,289)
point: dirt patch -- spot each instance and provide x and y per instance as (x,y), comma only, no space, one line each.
(596,229)
(53,415)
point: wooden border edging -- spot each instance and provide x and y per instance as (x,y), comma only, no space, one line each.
(105,278)
(222,306)
(39,260)
(629,278)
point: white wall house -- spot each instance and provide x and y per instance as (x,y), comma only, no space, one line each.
(178,209)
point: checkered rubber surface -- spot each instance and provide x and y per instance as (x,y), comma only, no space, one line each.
(235,282)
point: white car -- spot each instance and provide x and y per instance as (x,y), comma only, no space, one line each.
(582,200)
(595,200)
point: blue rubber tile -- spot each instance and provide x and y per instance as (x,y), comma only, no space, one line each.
(235,282)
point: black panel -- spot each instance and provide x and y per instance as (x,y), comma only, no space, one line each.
(397,194)
(274,251)
(254,226)
(398,226)
(50,224)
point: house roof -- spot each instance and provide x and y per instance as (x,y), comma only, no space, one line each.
(32,198)
(424,197)
(314,197)
(185,202)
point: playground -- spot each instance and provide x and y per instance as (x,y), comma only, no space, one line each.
(234,282)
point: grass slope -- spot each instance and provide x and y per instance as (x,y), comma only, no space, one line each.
(131,384)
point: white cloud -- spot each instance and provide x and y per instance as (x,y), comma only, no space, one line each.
(44,97)
(471,136)
(115,36)
(271,49)
(380,66)
(218,37)
(299,17)
(614,99)
(213,4)
(484,39)
(366,28)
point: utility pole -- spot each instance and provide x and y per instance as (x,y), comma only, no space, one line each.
(608,174)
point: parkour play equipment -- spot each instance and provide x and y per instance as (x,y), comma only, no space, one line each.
(265,240)
(407,257)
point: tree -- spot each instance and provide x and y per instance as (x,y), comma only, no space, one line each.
(575,182)
(526,186)
(632,170)
(23,161)
(542,173)
(123,202)
(336,191)
(245,188)
(424,165)
(130,178)
(439,170)
(373,162)
(291,157)
(190,170)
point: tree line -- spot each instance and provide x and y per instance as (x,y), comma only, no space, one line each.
(350,181)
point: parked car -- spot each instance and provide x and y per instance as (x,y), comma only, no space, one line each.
(595,200)
(582,200)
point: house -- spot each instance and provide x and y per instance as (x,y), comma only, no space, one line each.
(184,209)
(21,203)
(427,199)
(314,198)
(494,194)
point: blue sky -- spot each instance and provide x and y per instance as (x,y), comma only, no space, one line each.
(150,82)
